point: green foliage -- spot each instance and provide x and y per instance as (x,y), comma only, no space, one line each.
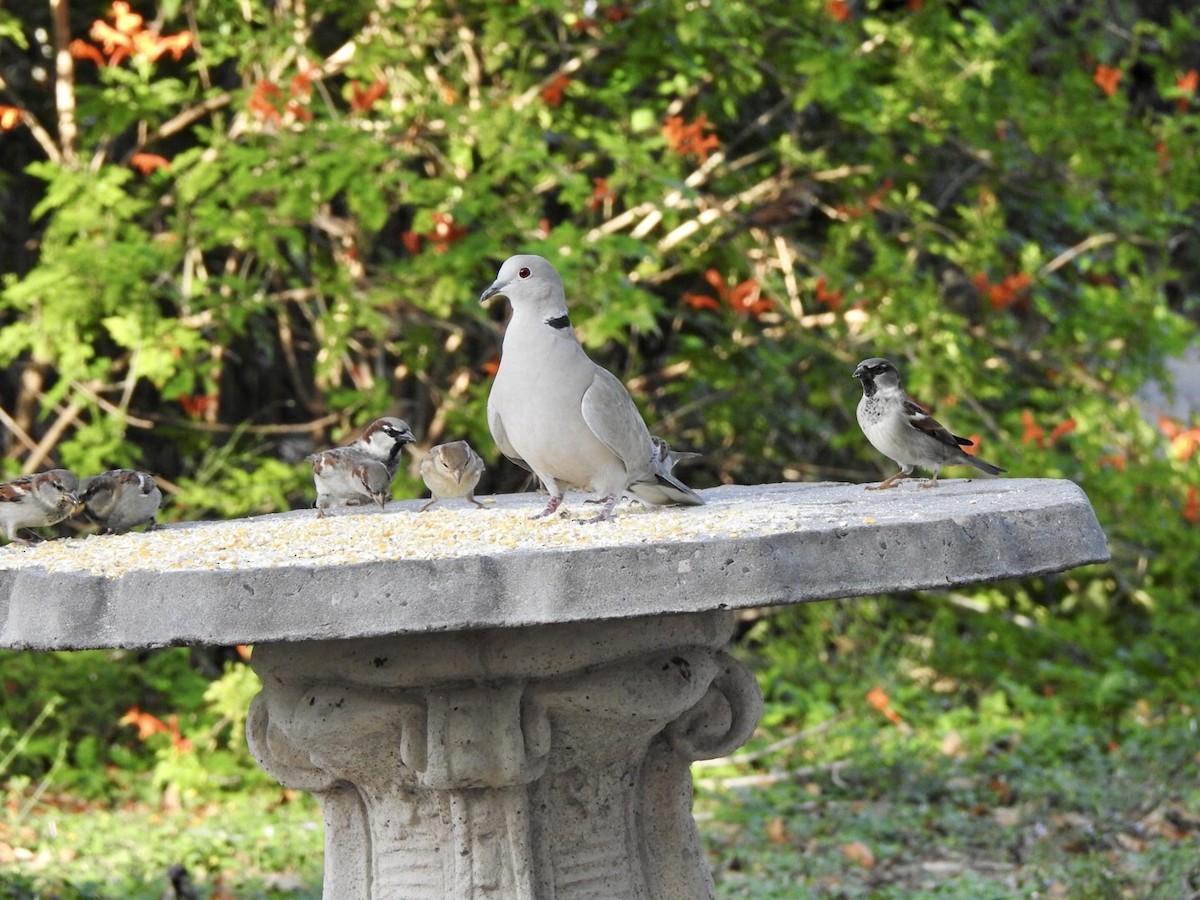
(267,242)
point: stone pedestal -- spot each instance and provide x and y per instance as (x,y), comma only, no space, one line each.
(489,707)
(546,763)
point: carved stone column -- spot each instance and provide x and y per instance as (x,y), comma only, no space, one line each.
(547,763)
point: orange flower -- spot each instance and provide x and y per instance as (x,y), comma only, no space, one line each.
(197,405)
(832,299)
(411,241)
(441,236)
(1106,78)
(445,232)
(686,139)
(1185,444)
(147,723)
(1191,506)
(1004,293)
(1115,460)
(839,9)
(744,299)
(882,702)
(491,367)
(1034,433)
(146,163)
(264,99)
(1188,82)
(701,301)
(1062,428)
(125,19)
(552,93)
(113,39)
(601,195)
(10,117)
(83,50)
(972,449)
(617,12)
(362,99)
(126,36)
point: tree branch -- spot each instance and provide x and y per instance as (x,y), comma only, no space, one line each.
(64,83)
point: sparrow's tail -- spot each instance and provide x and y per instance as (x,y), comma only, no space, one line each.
(664,489)
(984,466)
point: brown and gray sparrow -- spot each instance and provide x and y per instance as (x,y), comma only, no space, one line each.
(33,501)
(362,471)
(905,433)
(667,458)
(345,476)
(451,470)
(383,440)
(120,499)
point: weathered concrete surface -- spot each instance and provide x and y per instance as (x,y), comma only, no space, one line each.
(750,546)
(546,763)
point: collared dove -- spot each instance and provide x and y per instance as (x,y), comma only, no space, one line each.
(557,413)
(451,470)
(905,433)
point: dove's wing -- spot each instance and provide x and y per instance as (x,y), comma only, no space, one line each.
(609,412)
(500,436)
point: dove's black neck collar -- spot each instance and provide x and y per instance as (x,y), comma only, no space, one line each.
(559,321)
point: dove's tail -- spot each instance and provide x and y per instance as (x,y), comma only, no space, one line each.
(664,489)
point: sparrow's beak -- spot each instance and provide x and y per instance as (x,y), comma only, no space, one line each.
(381,498)
(458,473)
(496,288)
(76,503)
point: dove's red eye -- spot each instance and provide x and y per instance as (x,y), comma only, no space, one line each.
(524,273)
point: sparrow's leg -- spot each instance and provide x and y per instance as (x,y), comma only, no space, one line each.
(891,481)
(432,500)
(932,482)
(471,497)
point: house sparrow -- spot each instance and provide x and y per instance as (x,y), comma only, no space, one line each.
(32,501)
(667,458)
(451,470)
(555,412)
(345,476)
(120,499)
(383,440)
(902,431)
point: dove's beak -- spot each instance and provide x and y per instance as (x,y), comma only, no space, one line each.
(496,288)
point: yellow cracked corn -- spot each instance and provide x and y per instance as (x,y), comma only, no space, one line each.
(363,536)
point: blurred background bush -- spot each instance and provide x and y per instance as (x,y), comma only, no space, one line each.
(231,233)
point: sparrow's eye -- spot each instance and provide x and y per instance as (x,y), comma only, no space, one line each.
(524,273)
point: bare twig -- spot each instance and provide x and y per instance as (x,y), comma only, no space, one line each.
(16,430)
(767,779)
(64,82)
(1091,243)
(50,439)
(222,428)
(739,759)
(43,137)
